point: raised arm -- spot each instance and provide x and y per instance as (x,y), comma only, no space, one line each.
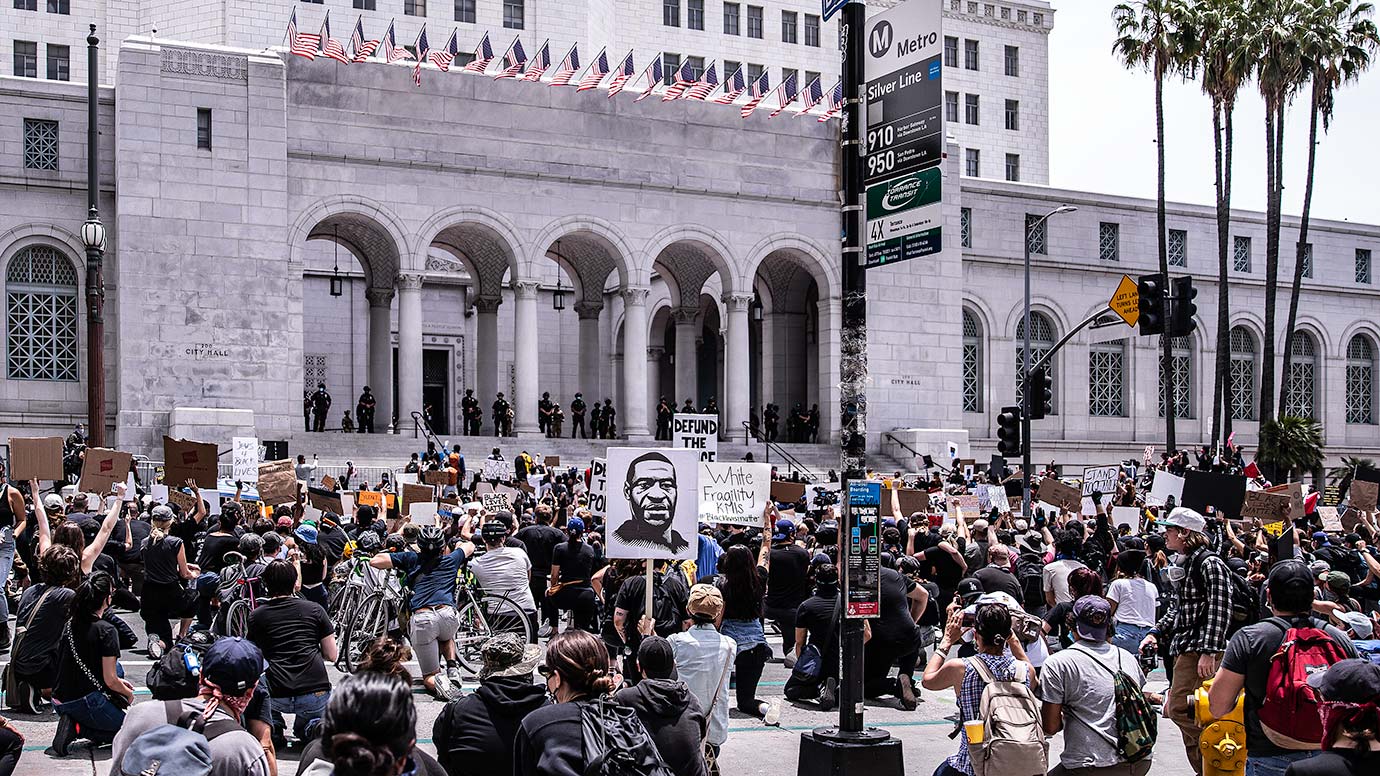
(45,537)
(88,555)
(764,554)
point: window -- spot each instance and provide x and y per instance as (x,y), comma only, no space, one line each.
(950,51)
(1181,365)
(971,114)
(1241,254)
(1037,234)
(512,14)
(203,128)
(989,10)
(1005,14)
(787,72)
(1360,380)
(1013,167)
(731,19)
(1037,19)
(970,54)
(951,107)
(1308,260)
(41,314)
(1363,266)
(464,10)
(40,144)
(972,364)
(755,72)
(25,59)
(965,227)
(730,67)
(670,64)
(694,14)
(63,7)
(414,7)
(368,5)
(812,30)
(1299,384)
(1020,16)
(1013,61)
(972,163)
(315,370)
(26,5)
(1013,115)
(1178,248)
(754,21)
(1041,340)
(1109,241)
(696,66)
(1107,379)
(810,77)
(59,63)
(670,13)
(1242,374)
(789,30)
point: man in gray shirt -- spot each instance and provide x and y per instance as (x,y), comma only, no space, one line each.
(503,570)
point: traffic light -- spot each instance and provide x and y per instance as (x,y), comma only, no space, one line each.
(1041,394)
(1181,316)
(1009,432)
(1151,289)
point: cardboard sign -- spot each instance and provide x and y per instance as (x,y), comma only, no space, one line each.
(181,500)
(438,477)
(552,461)
(696,432)
(497,470)
(1363,494)
(1126,516)
(1268,507)
(966,504)
(325,500)
(1164,486)
(370,498)
(424,514)
(1100,478)
(159,493)
(36,459)
(652,504)
(1294,490)
(1224,492)
(912,501)
(416,494)
(598,487)
(783,492)
(328,482)
(496,502)
(1273,529)
(734,493)
(1056,493)
(1331,521)
(102,468)
(277,482)
(186,460)
(990,496)
(244,459)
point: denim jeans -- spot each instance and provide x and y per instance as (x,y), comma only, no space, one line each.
(1274,765)
(98,720)
(307,711)
(6,564)
(1129,637)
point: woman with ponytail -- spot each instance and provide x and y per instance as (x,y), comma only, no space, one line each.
(551,739)
(573,564)
(166,572)
(90,690)
(370,729)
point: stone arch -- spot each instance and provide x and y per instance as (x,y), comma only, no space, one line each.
(1048,307)
(1367,329)
(688,244)
(805,252)
(487,238)
(68,249)
(594,239)
(369,230)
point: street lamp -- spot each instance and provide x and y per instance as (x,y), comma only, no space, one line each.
(1025,362)
(337,282)
(756,309)
(93,239)
(558,296)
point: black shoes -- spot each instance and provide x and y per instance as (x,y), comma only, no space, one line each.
(62,740)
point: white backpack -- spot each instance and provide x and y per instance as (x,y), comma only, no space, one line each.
(1013,740)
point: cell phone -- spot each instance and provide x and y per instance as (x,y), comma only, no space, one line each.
(969,620)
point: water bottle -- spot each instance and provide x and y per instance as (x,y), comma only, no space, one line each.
(193,662)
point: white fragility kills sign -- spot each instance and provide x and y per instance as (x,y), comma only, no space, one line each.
(734,493)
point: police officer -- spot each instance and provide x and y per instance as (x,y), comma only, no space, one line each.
(577,416)
(503,416)
(364,411)
(320,405)
(544,414)
(470,413)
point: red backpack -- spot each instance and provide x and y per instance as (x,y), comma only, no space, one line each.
(1290,716)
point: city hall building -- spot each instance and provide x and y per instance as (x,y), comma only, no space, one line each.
(277,222)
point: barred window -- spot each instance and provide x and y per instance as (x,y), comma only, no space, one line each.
(1363,266)
(1181,364)
(1037,234)
(41,315)
(1109,241)
(1041,340)
(40,144)
(1106,379)
(315,370)
(1360,381)
(1301,380)
(1242,374)
(1308,260)
(1241,254)
(972,364)
(965,227)
(1178,248)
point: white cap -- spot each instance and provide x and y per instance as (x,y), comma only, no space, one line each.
(1358,622)
(52,501)
(1187,519)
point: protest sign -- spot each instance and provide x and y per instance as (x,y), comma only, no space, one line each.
(652,506)
(1273,529)
(497,470)
(186,460)
(1331,521)
(966,504)
(277,482)
(244,459)
(1164,487)
(424,514)
(1056,493)
(696,432)
(598,487)
(1224,492)
(102,468)
(436,477)
(159,493)
(504,490)
(783,492)
(36,459)
(325,500)
(1363,495)
(416,494)
(1100,479)
(911,501)
(993,497)
(552,461)
(1126,516)
(496,502)
(328,482)
(734,492)
(181,500)
(370,498)
(1294,490)
(1265,506)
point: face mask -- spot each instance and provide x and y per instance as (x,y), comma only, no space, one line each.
(1175,574)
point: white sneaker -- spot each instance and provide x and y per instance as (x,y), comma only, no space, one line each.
(545,631)
(156,648)
(441,687)
(771,715)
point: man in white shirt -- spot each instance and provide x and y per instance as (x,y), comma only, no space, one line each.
(505,571)
(1056,582)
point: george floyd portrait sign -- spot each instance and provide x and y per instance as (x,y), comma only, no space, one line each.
(652,503)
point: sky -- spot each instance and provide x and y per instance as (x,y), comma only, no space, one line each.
(1102,131)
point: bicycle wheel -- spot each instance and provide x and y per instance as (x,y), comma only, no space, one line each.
(481,620)
(369,621)
(237,619)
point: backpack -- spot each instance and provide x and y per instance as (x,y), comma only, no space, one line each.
(665,612)
(1136,723)
(171,678)
(1244,604)
(1290,715)
(1030,569)
(616,743)
(181,747)
(1013,739)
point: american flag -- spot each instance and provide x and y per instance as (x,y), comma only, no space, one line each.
(812,96)
(685,77)
(303,44)
(539,64)
(442,59)
(392,52)
(596,72)
(621,75)
(654,76)
(332,49)
(515,59)
(788,91)
(756,93)
(483,55)
(834,103)
(361,48)
(423,49)
(707,83)
(734,85)
(568,67)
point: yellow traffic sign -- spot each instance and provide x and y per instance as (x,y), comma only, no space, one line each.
(1125,301)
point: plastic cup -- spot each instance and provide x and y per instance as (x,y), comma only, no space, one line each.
(974,731)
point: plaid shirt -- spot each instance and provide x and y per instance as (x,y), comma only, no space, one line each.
(1199,622)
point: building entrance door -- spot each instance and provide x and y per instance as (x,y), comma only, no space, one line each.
(436,393)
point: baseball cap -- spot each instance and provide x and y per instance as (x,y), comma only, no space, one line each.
(784,530)
(508,655)
(969,590)
(162,512)
(233,664)
(1092,615)
(575,525)
(1289,576)
(307,533)
(705,601)
(656,659)
(1338,581)
(1348,681)
(52,501)
(1359,624)
(1185,518)
(1319,567)
(1320,537)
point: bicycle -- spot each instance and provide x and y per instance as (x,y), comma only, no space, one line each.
(370,617)
(235,578)
(482,616)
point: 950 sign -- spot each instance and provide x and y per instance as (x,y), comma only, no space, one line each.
(881,156)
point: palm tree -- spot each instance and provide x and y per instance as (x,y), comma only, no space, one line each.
(1148,38)
(1336,42)
(1290,444)
(1344,474)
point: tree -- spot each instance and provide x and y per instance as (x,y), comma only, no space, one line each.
(1344,474)
(1336,40)
(1290,444)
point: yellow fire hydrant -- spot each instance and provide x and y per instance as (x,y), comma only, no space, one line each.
(1223,741)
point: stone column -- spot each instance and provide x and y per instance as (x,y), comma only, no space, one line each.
(737,363)
(381,355)
(686,320)
(525,356)
(409,349)
(591,360)
(486,354)
(828,343)
(767,362)
(634,409)
(654,356)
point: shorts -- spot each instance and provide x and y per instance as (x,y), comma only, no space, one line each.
(428,627)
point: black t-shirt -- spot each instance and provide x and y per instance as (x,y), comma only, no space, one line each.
(115,548)
(578,565)
(944,568)
(333,541)
(37,651)
(631,599)
(1058,619)
(213,549)
(94,642)
(896,622)
(998,580)
(541,540)
(289,630)
(788,582)
(313,564)
(1337,762)
(160,560)
(186,529)
(816,616)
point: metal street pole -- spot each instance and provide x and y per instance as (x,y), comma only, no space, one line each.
(93,237)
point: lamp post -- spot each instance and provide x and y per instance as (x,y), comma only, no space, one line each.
(93,238)
(1025,363)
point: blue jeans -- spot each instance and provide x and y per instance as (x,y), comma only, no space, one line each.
(1129,637)
(1274,765)
(98,719)
(307,711)
(6,564)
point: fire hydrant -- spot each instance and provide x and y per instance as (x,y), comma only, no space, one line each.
(1223,741)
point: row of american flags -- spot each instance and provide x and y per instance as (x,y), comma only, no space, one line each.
(686,83)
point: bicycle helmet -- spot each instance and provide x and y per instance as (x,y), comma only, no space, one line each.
(493,531)
(395,543)
(430,539)
(368,542)
(908,566)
